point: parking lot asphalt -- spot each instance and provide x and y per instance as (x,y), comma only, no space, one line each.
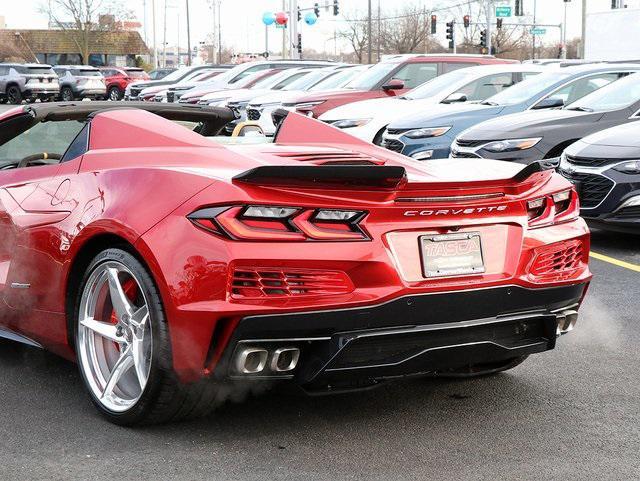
(573,413)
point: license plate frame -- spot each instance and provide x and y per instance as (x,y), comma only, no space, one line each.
(435,247)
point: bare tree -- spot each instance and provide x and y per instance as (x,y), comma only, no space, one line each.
(81,19)
(356,35)
(406,31)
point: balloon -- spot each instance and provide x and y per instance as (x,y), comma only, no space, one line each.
(268,18)
(281,18)
(310,18)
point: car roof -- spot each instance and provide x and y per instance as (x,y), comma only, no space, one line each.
(17,64)
(594,67)
(504,67)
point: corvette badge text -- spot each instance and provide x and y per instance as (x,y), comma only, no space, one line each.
(460,211)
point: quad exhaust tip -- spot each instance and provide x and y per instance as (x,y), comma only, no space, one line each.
(254,360)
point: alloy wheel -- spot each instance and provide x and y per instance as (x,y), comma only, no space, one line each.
(114,336)
(114,94)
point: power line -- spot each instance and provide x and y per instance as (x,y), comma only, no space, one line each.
(413,14)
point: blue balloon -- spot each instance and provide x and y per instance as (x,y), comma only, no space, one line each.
(310,18)
(268,18)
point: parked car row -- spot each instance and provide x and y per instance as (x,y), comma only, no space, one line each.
(31,82)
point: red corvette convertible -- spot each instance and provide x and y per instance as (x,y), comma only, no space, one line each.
(177,268)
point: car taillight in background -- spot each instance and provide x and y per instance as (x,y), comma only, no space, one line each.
(281,223)
(555,208)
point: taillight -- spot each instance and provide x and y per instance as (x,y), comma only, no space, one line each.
(281,223)
(555,208)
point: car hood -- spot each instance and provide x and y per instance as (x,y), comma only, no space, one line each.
(219,94)
(391,107)
(244,95)
(326,95)
(626,135)
(533,123)
(442,115)
(155,89)
(153,83)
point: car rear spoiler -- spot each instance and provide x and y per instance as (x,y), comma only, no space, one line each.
(539,166)
(323,176)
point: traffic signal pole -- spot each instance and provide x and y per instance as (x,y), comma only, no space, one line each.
(489,15)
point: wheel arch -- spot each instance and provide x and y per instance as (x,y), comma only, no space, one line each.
(85,253)
(558,149)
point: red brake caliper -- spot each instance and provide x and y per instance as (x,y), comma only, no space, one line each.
(130,288)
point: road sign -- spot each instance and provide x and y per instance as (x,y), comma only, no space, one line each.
(503,11)
(538,31)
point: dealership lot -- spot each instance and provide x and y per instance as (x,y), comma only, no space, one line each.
(568,413)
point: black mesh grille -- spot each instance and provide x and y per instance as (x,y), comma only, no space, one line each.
(464,155)
(253,114)
(393,144)
(135,91)
(469,143)
(589,162)
(397,131)
(591,188)
(171,96)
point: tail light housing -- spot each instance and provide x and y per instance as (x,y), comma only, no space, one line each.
(281,223)
(554,208)
(558,262)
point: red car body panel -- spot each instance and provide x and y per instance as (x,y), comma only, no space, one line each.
(143,183)
(333,99)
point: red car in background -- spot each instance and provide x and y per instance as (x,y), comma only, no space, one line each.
(179,271)
(392,76)
(117,79)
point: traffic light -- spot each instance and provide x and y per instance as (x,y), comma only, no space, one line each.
(483,38)
(499,22)
(450,30)
(300,44)
(299,14)
(316,9)
(434,24)
(519,8)
(336,7)
(467,21)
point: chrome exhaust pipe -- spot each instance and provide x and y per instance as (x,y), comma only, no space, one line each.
(284,359)
(566,321)
(251,360)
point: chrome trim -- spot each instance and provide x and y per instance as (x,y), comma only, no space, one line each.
(295,357)
(20,285)
(581,169)
(633,201)
(243,356)
(6,333)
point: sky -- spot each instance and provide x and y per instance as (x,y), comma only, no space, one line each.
(242,27)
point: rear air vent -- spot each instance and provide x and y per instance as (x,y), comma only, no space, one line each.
(557,262)
(259,283)
(333,158)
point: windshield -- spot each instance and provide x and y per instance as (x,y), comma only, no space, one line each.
(176,74)
(437,85)
(527,89)
(34,70)
(372,77)
(616,95)
(339,79)
(269,82)
(308,80)
(256,77)
(136,73)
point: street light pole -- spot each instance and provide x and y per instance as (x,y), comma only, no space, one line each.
(164,39)
(188,36)
(489,17)
(369,39)
(584,29)
(564,31)
(533,54)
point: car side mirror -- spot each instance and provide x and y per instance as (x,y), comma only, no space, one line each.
(248,129)
(549,103)
(454,98)
(394,84)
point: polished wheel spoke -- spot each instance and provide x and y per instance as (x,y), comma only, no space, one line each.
(121,304)
(122,365)
(108,331)
(139,361)
(140,318)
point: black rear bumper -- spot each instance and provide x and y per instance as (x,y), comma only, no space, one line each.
(413,335)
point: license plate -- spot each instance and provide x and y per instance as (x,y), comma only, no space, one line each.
(451,254)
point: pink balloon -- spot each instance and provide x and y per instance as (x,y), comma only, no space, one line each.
(281,18)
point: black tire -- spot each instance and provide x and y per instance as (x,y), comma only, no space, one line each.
(164,398)
(115,93)
(14,96)
(66,94)
(480,370)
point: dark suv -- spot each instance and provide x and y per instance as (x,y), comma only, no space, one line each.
(27,82)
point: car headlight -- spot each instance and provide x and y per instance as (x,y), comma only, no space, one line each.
(426,133)
(349,123)
(628,167)
(511,145)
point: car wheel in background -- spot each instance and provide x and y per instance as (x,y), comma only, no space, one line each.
(115,93)
(123,347)
(66,94)
(14,96)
